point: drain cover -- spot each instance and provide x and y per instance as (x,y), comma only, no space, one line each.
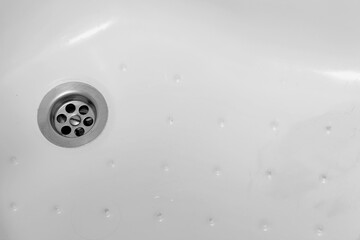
(72,114)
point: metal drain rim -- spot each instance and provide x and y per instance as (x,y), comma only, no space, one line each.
(61,93)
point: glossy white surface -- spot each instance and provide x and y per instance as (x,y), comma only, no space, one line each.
(227,120)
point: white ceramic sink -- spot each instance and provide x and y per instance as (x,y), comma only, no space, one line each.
(227,120)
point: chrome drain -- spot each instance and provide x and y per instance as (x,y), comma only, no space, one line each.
(72,114)
(74,119)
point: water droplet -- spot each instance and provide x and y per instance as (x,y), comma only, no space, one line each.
(57,210)
(156,197)
(13,160)
(159,217)
(177,78)
(14,207)
(323,178)
(274,126)
(319,231)
(123,67)
(269,174)
(211,222)
(111,164)
(165,168)
(328,129)
(265,227)
(217,171)
(221,123)
(107,212)
(172,200)
(170,120)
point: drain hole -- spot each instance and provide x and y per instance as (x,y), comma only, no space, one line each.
(61,118)
(83,110)
(72,114)
(70,108)
(66,130)
(88,121)
(79,131)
